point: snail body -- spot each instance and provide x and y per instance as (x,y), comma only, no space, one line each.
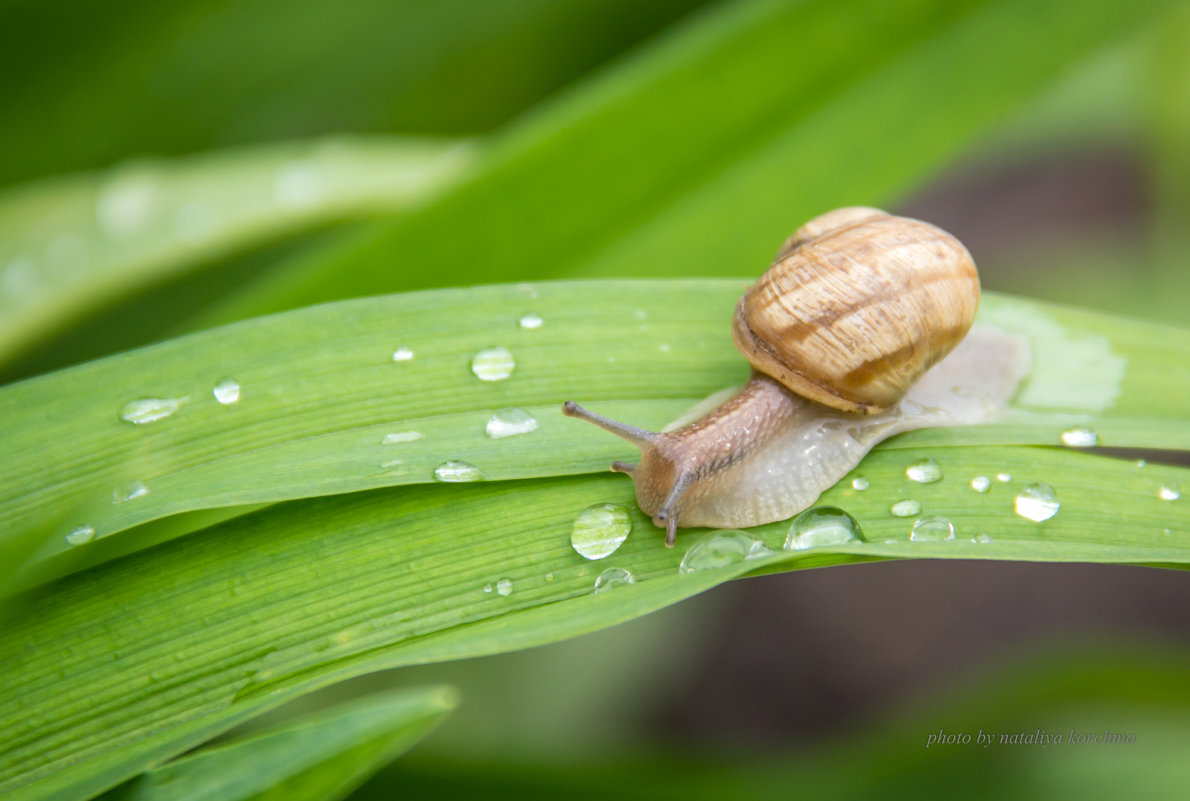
(856,333)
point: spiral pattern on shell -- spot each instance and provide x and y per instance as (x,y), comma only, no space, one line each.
(857,306)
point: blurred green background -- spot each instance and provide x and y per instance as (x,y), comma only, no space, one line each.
(664,138)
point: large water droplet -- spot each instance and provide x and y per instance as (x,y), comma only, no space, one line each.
(509,423)
(402,354)
(1080,437)
(530,321)
(80,535)
(227,391)
(924,471)
(1037,502)
(454,471)
(493,364)
(906,508)
(981,483)
(504,587)
(613,577)
(932,529)
(129,491)
(149,410)
(860,483)
(599,530)
(1169,492)
(401,436)
(820,527)
(721,549)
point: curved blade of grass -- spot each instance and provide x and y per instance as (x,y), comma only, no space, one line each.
(71,243)
(319,756)
(147,656)
(320,397)
(699,155)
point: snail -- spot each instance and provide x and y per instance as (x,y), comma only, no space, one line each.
(858,331)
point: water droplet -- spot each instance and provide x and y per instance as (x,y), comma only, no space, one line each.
(981,483)
(81,535)
(820,527)
(504,587)
(530,321)
(509,423)
(454,472)
(488,588)
(860,483)
(549,576)
(663,348)
(391,463)
(906,508)
(1037,502)
(149,410)
(613,577)
(402,354)
(401,436)
(924,471)
(227,391)
(721,549)
(493,364)
(932,529)
(1169,492)
(298,185)
(981,539)
(1080,437)
(126,203)
(1004,478)
(129,491)
(1140,463)
(599,530)
(640,314)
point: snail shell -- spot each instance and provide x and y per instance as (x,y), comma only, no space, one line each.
(851,316)
(848,334)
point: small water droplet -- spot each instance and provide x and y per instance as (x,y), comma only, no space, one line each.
(1169,492)
(599,530)
(1080,437)
(81,535)
(493,364)
(663,348)
(1037,502)
(488,588)
(149,410)
(530,321)
(129,491)
(906,508)
(402,354)
(822,526)
(391,463)
(640,314)
(721,549)
(549,576)
(1140,463)
(454,472)
(613,577)
(924,471)
(401,436)
(1004,478)
(504,587)
(932,529)
(510,423)
(298,185)
(227,391)
(981,539)
(860,483)
(981,483)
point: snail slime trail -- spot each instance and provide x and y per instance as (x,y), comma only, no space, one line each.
(860,330)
